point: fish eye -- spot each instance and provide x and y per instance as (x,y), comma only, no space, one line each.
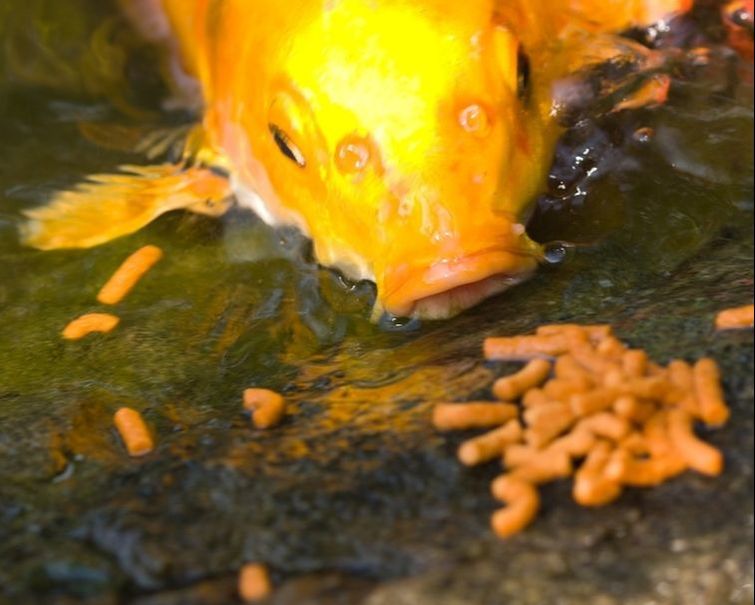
(286,146)
(523,74)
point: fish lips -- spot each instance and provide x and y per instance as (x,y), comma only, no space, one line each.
(445,287)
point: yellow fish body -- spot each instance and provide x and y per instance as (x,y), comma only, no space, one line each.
(405,138)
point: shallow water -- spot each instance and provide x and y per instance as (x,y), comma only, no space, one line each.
(355,480)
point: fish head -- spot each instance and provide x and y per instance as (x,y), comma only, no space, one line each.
(397,137)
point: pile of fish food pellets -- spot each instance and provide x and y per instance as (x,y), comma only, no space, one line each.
(586,405)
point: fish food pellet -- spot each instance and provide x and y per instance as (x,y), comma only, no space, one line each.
(128,274)
(463,416)
(600,411)
(511,387)
(522,502)
(736,318)
(267,407)
(88,323)
(133,431)
(254,583)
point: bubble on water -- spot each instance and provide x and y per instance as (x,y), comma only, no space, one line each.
(391,323)
(557,252)
(643,135)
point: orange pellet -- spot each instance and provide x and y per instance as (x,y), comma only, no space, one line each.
(560,389)
(462,416)
(546,422)
(698,455)
(631,408)
(490,445)
(591,487)
(593,401)
(535,397)
(634,443)
(643,472)
(682,392)
(577,443)
(544,466)
(517,454)
(567,368)
(88,323)
(590,359)
(596,332)
(648,387)
(610,347)
(511,387)
(737,317)
(128,274)
(517,348)
(254,583)
(267,407)
(606,424)
(634,362)
(133,431)
(655,432)
(710,396)
(522,502)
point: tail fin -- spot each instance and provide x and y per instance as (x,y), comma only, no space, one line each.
(107,206)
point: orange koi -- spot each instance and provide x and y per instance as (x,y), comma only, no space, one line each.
(406,139)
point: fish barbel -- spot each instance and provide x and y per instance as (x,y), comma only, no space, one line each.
(407,139)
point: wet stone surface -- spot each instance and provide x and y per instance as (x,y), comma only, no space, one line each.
(355,499)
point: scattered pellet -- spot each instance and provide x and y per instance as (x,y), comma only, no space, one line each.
(128,274)
(609,412)
(518,348)
(607,425)
(611,348)
(88,323)
(736,318)
(591,487)
(547,465)
(634,362)
(698,455)
(576,443)
(547,422)
(254,583)
(560,389)
(595,333)
(535,397)
(532,375)
(655,432)
(710,396)
(517,454)
(683,387)
(133,431)
(633,409)
(590,359)
(463,416)
(522,503)
(643,472)
(567,368)
(267,407)
(635,443)
(490,445)
(594,401)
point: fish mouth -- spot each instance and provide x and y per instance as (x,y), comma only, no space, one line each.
(450,286)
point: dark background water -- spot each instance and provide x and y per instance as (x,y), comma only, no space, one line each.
(355,490)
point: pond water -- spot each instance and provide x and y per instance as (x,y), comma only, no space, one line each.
(355,481)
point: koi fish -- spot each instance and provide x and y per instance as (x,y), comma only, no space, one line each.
(406,139)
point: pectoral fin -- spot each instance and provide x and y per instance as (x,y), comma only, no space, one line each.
(107,206)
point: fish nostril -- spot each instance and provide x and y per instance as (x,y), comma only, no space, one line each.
(475,120)
(353,154)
